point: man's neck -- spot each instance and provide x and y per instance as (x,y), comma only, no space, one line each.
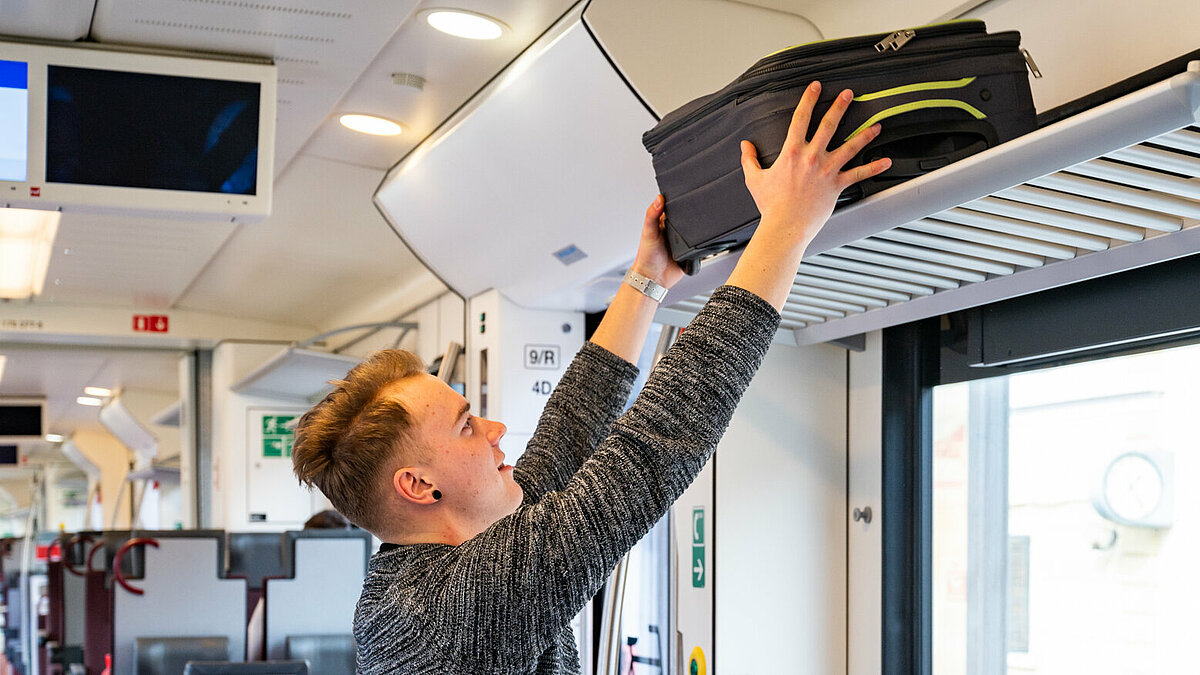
(436,529)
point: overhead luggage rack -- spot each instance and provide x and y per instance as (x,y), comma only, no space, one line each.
(1109,189)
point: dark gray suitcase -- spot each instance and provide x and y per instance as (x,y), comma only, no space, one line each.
(941,92)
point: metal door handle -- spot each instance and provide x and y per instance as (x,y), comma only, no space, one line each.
(863,514)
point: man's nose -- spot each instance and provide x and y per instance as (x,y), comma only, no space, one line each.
(495,431)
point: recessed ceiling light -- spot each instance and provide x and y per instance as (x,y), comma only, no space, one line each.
(55,438)
(102,392)
(464,24)
(26,237)
(370,124)
(88,400)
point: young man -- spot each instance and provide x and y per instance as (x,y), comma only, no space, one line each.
(486,564)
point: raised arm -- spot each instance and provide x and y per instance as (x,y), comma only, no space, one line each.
(521,581)
(623,329)
(595,387)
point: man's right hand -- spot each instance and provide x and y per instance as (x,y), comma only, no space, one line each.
(802,186)
(797,195)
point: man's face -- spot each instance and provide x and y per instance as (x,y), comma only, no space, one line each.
(462,459)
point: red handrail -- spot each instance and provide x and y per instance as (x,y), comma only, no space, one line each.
(66,556)
(146,541)
(92,553)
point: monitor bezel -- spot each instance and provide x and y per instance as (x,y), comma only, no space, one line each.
(37,193)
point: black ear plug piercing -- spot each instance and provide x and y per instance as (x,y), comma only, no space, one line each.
(437,494)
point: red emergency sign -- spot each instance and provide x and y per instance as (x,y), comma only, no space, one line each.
(150,323)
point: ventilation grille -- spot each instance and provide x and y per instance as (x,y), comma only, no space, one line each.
(1065,203)
(203,28)
(269,7)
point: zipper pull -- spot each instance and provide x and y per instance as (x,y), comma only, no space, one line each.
(1037,74)
(895,41)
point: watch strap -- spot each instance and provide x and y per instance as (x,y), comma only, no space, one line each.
(646,286)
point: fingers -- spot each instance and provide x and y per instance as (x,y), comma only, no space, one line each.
(653,215)
(750,165)
(852,147)
(832,118)
(861,173)
(798,130)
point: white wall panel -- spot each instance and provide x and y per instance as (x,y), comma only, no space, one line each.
(1084,46)
(864,550)
(244,481)
(517,387)
(780,565)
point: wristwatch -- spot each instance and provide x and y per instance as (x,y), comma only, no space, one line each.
(646,286)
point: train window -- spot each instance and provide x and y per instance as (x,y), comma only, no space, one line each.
(1062,531)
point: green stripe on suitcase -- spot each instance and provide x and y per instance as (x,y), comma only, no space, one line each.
(917,105)
(920,86)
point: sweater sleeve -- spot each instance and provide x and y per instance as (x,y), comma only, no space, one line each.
(517,584)
(588,398)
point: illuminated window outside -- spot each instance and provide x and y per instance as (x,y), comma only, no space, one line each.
(1065,539)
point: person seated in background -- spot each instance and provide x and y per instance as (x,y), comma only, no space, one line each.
(327,520)
(256,627)
(486,564)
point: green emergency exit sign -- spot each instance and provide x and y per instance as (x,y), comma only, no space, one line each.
(277,435)
(698,547)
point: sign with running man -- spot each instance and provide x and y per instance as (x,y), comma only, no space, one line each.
(698,547)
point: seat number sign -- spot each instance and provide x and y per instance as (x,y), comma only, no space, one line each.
(543,357)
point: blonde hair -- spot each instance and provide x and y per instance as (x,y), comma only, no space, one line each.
(345,442)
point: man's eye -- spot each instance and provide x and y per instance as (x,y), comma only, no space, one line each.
(467,427)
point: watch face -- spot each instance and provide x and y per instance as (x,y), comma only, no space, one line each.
(1133,487)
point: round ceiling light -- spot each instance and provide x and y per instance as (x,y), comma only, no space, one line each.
(370,124)
(464,24)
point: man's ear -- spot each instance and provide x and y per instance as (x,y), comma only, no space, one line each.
(411,484)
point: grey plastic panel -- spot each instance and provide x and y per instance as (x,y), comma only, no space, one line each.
(329,576)
(74,609)
(183,598)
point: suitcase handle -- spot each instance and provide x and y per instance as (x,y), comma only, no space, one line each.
(908,146)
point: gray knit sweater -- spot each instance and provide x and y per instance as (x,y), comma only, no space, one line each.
(502,602)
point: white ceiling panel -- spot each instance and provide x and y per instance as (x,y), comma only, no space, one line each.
(128,261)
(858,17)
(324,247)
(59,375)
(453,68)
(319,46)
(46,19)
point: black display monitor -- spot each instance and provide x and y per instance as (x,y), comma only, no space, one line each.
(143,130)
(95,128)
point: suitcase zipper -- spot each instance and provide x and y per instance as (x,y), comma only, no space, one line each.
(801,77)
(895,41)
(874,39)
(653,137)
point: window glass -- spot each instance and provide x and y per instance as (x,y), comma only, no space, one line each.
(1065,530)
